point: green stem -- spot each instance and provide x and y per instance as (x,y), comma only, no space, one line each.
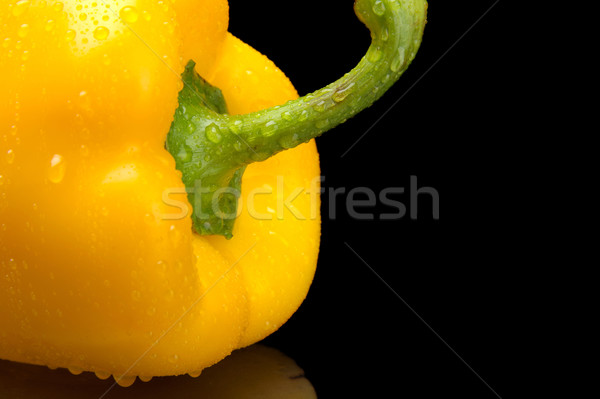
(220,144)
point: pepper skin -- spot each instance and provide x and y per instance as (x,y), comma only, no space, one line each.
(98,271)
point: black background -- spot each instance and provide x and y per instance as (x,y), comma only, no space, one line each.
(446,125)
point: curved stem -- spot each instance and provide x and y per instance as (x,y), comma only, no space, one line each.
(230,142)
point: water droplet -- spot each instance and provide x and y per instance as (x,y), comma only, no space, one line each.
(185,154)
(103,375)
(162,265)
(136,295)
(173,359)
(85,151)
(303,116)
(101,33)
(287,116)
(169,27)
(149,219)
(269,129)
(57,170)
(322,124)
(6,42)
(289,141)
(20,8)
(398,60)
(213,133)
(129,14)
(379,8)
(70,35)
(125,381)
(342,92)
(175,236)
(58,7)
(83,16)
(23,31)
(10,156)
(195,374)
(50,24)
(1,180)
(374,54)
(236,126)
(144,378)
(147,16)
(320,107)
(385,35)
(191,127)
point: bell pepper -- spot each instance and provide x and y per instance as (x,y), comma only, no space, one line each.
(114,259)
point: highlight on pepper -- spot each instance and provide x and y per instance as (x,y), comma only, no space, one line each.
(105,105)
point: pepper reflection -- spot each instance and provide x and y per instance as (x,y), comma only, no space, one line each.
(254,372)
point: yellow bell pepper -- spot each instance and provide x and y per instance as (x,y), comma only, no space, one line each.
(98,270)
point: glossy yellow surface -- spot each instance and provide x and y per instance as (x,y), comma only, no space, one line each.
(97,271)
